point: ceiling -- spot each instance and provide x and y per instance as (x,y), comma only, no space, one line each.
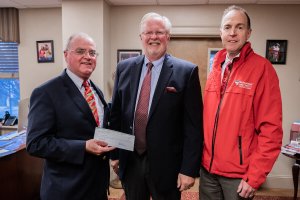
(57,3)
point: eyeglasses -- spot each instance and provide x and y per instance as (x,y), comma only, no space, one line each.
(157,33)
(83,52)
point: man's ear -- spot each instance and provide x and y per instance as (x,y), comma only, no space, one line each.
(249,33)
(65,55)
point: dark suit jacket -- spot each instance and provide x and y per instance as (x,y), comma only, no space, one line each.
(174,130)
(59,123)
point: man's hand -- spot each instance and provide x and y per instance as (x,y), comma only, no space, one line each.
(245,190)
(115,165)
(185,182)
(97,147)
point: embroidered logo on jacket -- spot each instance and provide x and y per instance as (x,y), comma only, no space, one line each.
(243,84)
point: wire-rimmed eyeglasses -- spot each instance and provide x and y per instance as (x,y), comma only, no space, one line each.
(83,52)
(156,33)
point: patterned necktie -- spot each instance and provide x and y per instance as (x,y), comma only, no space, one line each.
(141,113)
(90,98)
(225,79)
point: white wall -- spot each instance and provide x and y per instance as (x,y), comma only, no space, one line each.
(35,25)
(118,28)
(107,78)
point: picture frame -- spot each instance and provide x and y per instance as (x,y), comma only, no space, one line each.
(211,54)
(45,51)
(276,51)
(123,54)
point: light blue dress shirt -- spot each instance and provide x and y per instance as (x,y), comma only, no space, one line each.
(155,72)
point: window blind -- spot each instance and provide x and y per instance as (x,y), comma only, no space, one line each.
(9,61)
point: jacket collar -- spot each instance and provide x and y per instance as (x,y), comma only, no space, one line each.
(165,74)
(78,99)
(246,51)
(164,77)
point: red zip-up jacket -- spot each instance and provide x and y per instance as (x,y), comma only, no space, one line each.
(243,130)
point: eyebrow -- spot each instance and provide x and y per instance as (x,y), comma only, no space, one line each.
(239,24)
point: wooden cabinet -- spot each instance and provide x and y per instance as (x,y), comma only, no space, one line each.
(20,173)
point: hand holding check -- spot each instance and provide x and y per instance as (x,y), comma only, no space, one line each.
(115,138)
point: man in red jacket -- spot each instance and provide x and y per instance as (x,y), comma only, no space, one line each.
(242,115)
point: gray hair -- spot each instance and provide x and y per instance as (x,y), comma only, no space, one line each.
(78,35)
(152,15)
(236,8)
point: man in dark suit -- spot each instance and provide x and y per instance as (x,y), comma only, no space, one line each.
(61,123)
(168,135)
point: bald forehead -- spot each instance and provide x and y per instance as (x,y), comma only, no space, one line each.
(79,39)
(234,16)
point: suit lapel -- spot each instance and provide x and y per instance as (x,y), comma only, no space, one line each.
(100,94)
(101,97)
(134,81)
(163,80)
(76,96)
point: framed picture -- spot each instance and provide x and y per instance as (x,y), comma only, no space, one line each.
(123,54)
(211,54)
(276,51)
(45,51)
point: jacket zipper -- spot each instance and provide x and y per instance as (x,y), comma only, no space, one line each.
(240,150)
(214,135)
(216,124)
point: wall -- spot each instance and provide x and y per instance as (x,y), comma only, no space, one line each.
(35,25)
(107,78)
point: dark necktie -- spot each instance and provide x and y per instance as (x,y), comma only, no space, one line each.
(141,113)
(225,78)
(90,98)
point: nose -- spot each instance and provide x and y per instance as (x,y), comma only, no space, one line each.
(153,35)
(232,31)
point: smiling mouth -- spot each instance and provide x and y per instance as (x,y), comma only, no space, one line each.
(154,43)
(86,63)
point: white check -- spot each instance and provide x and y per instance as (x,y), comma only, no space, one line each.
(115,138)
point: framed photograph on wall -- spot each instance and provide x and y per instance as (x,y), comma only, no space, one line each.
(123,54)
(276,51)
(45,51)
(211,54)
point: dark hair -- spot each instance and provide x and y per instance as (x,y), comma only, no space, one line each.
(238,8)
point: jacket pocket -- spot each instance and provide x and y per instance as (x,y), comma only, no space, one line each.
(240,150)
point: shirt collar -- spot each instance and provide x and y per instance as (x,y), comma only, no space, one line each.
(155,63)
(227,60)
(76,79)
